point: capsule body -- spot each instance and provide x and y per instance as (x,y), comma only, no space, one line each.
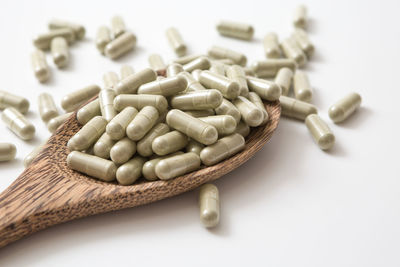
(192,83)
(120,45)
(227,108)
(201,63)
(47,107)
(39,66)
(103,146)
(175,41)
(169,143)
(174,69)
(218,52)
(270,67)
(117,26)
(142,123)
(251,114)
(18,124)
(302,87)
(10,100)
(78,29)
(229,89)
(225,124)
(209,205)
(144,146)
(256,100)
(166,87)
(123,150)
(267,90)
(103,38)
(55,122)
(89,111)
(235,30)
(130,84)
(346,106)
(200,113)
(302,40)
(320,132)
(75,99)
(172,167)
(110,79)
(292,50)
(197,100)
(218,68)
(271,45)
(59,52)
(300,17)
(149,167)
(284,79)
(237,74)
(88,134)
(130,171)
(106,100)
(295,108)
(43,41)
(126,71)
(7,151)
(140,101)
(116,128)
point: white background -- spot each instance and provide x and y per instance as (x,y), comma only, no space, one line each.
(292,204)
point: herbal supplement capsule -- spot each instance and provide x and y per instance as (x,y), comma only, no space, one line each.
(172,167)
(126,71)
(201,63)
(18,124)
(271,45)
(169,143)
(227,108)
(123,150)
(300,17)
(200,113)
(117,26)
(156,62)
(55,122)
(320,132)
(129,172)
(229,89)
(209,205)
(103,146)
(166,87)
(192,83)
(342,109)
(292,50)
(140,101)
(110,79)
(89,111)
(249,71)
(218,52)
(116,128)
(301,86)
(186,59)
(173,69)
(284,79)
(142,123)
(144,146)
(235,30)
(103,38)
(7,151)
(218,68)
(237,74)
(194,146)
(39,66)
(75,99)
(197,100)
(243,129)
(192,127)
(130,84)
(47,107)
(106,100)
(43,41)
(251,114)
(225,124)
(33,154)
(175,41)
(88,135)
(267,90)
(302,40)
(256,100)
(225,61)
(79,30)
(120,45)
(10,100)
(59,52)
(94,166)
(149,167)
(222,149)
(270,67)
(295,108)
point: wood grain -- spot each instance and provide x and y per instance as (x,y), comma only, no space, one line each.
(49,193)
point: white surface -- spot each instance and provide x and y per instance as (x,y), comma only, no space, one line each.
(292,204)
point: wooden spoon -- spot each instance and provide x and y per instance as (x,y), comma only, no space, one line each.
(49,193)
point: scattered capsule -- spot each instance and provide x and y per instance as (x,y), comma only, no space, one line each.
(186,59)
(251,114)
(227,108)
(237,74)
(228,88)
(142,123)
(271,45)
(56,122)
(172,167)
(18,124)
(225,124)
(47,107)
(103,38)
(43,41)
(78,29)
(88,135)
(218,68)
(166,87)
(110,79)
(174,69)
(116,128)
(130,84)
(209,205)
(59,52)
(39,66)
(200,113)
(235,30)
(293,51)
(169,143)
(320,132)
(302,40)
(10,100)
(94,166)
(192,83)
(284,79)
(103,146)
(201,63)
(270,67)
(218,52)
(106,100)
(295,108)
(243,129)
(156,62)
(175,41)
(267,90)
(300,17)
(140,101)
(301,86)
(149,167)
(194,146)
(117,26)
(123,150)
(256,100)
(33,154)
(346,106)
(89,111)
(120,45)
(72,101)
(197,100)
(126,71)
(130,171)
(7,151)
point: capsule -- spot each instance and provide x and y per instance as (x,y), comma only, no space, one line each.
(120,45)
(225,61)
(192,83)
(194,146)
(197,100)
(130,84)
(88,135)
(10,100)
(228,88)
(59,52)
(301,86)
(235,30)
(130,171)
(43,41)
(284,79)
(256,100)
(169,143)
(271,45)
(149,167)
(251,114)
(142,123)
(7,151)
(200,113)
(89,111)
(243,129)
(117,26)
(144,146)
(225,124)
(218,52)
(106,100)
(209,205)
(78,29)
(218,68)
(110,79)
(156,62)
(116,128)
(302,40)
(103,38)
(18,124)
(140,101)
(175,41)
(293,51)
(172,167)
(39,66)
(33,154)
(227,108)
(295,108)
(166,87)
(72,101)
(320,132)
(201,63)
(237,74)
(300,17)
(174,69)
(94,166)
(249,71)
(55,122)
(103,146)
(267,90)
(47,107)
(186,59)
(270,67)
(126,71)
(346,106)
(123,150)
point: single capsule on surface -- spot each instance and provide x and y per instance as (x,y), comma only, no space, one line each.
(144,146)
(33,154)
(228,88)
(56,122)
(10,100)
(103,146)
(117,26)
(123,150)
(72,101)
(201,63)
(192,83)
(94,166)
(130,84)
(174,69)
(271,45)
(39,66)
(267,90)
(209,205)
(302,40)
(225,124)
(270,67)
(120,45)
(218,52)
(346,106)
(175,41)
(197,100)
(130,171)
(149,167)
(18,124)
(116,128)
(284,80)
(320,132)
(110,79)
(251,114)
(301,86)
(47,107)
(89,111)
(200,113)
(142,123)
(156,62)
(140,101)
(59,52)
(172,167)
(256,100)
(126,71)
(300,17)
(186,59)
(106,100)
(169,143)
(243,129)
(293,51)
(78,29)
(192,127)
(227,108)
(88,134)
(194,146)
(237,74)
(235,30)
(7,151)
(295,108)
(103,38)
(166,87)
(43,41)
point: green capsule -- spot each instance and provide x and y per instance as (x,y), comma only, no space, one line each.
(169,143)
(228,88)
(295,108)
(284,79)
(267,90)
(227,108)
(237,74)
(225,124)
(103,146)
(47,107)
(256,100)
(142,123)
(218,52)
(117,126)
(56,122)
(302,40)
(197,100)
(302,87)
(59,52)
(166,87)
(235,30)
(120,45)
(293,51)
(251,114)
(141,101)
(201,63)
(110,79)
(106,100)
(123,150)
(130,84)
(88,134)
(126,71)
(130,171)
(88,112)
(320,132)
(175,41)
(346,106)
(10,100)
(194,146)
(209,205)
(270,67)
(18,124)
(43,41)
(177,165)
(144,146)
(271,45)
(74,100)
(149,167)
(7,151)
